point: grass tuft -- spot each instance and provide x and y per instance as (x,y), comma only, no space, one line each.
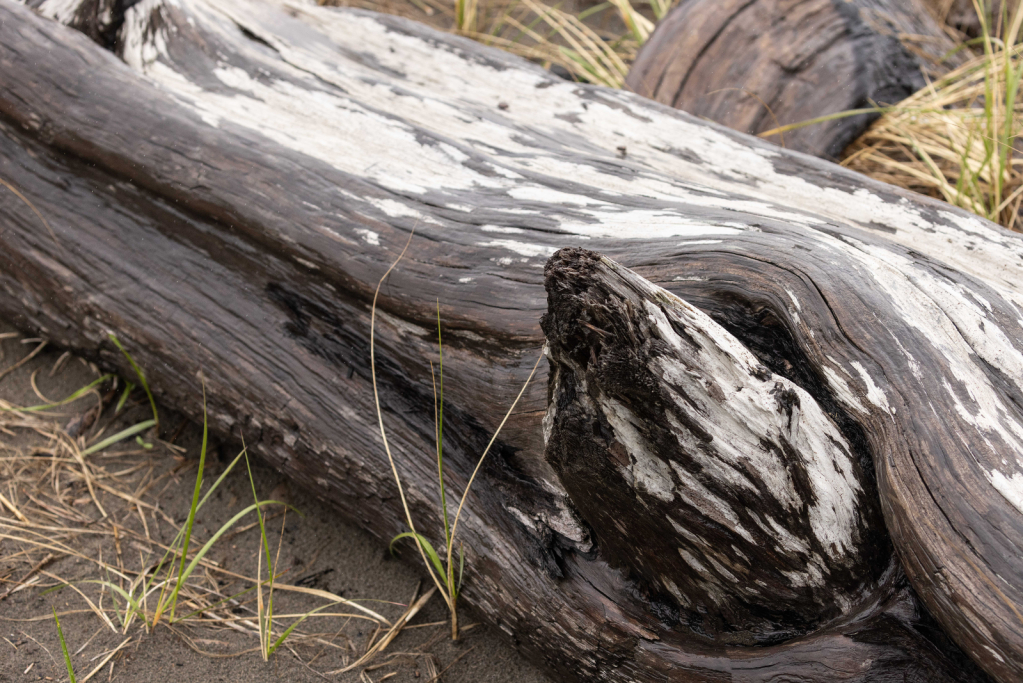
(181,588)
(441,570)
(142,379)
(63,648)
(956,139)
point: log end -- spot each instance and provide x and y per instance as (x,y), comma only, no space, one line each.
(755,66)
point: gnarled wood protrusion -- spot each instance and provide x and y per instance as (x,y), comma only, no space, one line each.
(753,509)
(753,65)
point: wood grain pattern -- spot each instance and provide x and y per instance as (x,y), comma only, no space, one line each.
(754,65)
(227,189)
(756,514)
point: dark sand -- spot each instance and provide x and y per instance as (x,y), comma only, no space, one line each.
(318,550)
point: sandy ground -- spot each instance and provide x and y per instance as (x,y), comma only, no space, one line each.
(145,494)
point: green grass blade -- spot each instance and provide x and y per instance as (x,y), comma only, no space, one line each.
(440,431)
(141,375)
(221,479)
(128,388)
(1012,90)
(585,69)
(265,618)
(119,436)
(660,7)
(430,552)
(63,647)
(823,119)
(461,569)
(73,397)
(259,516)
(287,631)
(116,590)
(593,10)
(122,616)
(960,47)
(187,571)
(193,507)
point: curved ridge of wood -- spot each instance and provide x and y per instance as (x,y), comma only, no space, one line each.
(273,158)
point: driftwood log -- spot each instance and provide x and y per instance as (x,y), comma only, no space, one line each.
(757,65)
(805,468)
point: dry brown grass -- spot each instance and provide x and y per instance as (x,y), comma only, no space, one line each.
(957,139)
(105,511)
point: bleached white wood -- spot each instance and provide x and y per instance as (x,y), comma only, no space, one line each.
(453,95)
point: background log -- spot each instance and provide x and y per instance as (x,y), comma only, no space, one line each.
(962,16)
(227,196)
(756,65)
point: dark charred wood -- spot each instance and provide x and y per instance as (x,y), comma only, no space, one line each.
(101,20)
(225,191)
(962,16)
(755,65)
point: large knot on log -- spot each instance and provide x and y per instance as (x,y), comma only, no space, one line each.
(711,479)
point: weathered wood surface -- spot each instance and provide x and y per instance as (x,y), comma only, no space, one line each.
(755,511)
(754,65)
(226,197)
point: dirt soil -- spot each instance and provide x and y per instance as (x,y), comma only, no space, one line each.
(63,537)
